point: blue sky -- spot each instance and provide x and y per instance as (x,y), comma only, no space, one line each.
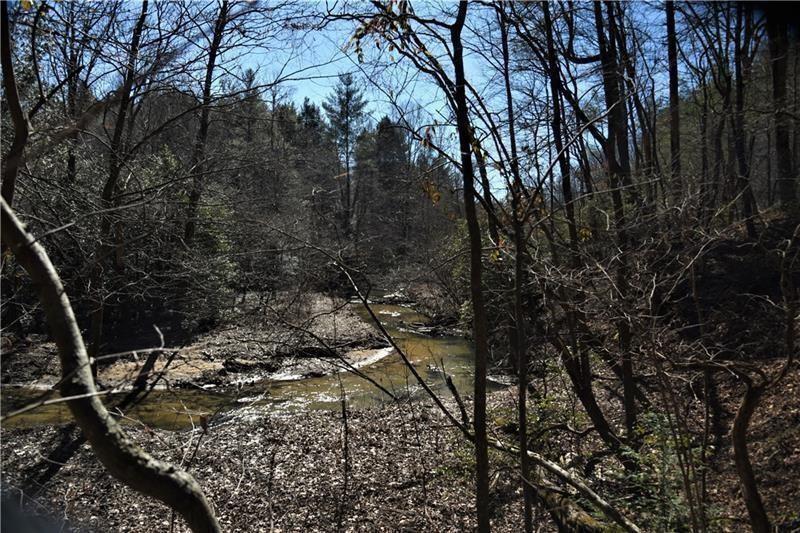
(312,64)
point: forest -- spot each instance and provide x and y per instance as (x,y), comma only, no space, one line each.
(475,265)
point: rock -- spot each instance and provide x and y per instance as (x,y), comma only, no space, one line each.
(7,343)
(314,351)
(423,329)
(237,366)
(396,297)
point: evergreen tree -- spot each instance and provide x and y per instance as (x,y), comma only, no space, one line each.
(317,159)
(345,110)
(393,177)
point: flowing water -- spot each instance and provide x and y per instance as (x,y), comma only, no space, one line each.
(178,408)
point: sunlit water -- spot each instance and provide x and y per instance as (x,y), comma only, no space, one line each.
(179,408)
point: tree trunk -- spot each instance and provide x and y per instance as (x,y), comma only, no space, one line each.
(116,160)
(13,160)
(645,123)
(614,85)
(519,340)
(480,326)
(554,73)
(752,499)
(742,38)
(121,456)
(579,370)
(777,33)
(198,157)
(704,170)
(487,195)
(674,103)
(72,99)
(619,174)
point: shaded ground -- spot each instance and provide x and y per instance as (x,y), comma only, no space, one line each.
(290,335)
(408,472)
(774,446)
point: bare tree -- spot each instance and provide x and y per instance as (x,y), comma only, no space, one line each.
(199,154)
(777,33)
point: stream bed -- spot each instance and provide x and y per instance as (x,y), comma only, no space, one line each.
(432,356)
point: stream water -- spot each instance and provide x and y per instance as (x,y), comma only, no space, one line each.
(181,408)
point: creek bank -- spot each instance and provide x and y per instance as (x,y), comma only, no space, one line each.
(408,470)
(296,357)
(430,301)
(290,335)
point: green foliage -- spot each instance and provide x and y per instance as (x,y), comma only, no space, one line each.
(209,275)
(462,465)
(345,111)
(661,504)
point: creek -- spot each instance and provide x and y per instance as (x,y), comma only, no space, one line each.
(432,356)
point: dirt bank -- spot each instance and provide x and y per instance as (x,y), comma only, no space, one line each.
(285,336)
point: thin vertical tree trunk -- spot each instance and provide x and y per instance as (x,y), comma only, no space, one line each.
(770,187)
(796,103)
(759,520)
(13,160)
(742,39)
(674,103)
(72,98)
(480,326)
(629,64)
(777,33)
(110,190)
(704,170)
(554,73)
(719,194)
(618,169)
(519,340)
(487,194)
(614,81)
(199,154)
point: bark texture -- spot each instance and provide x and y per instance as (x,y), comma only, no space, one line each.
(480,327)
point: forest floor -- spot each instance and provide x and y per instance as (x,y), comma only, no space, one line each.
(408,470)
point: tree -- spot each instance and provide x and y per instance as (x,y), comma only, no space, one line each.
(382,170)
(199,154)
(480,328)
(777,33)
(318,154)
(345,110)
(742,60)
(123,459)
(674,101)
(110,190)
(522,178)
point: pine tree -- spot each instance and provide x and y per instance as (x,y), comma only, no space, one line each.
(345,110)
